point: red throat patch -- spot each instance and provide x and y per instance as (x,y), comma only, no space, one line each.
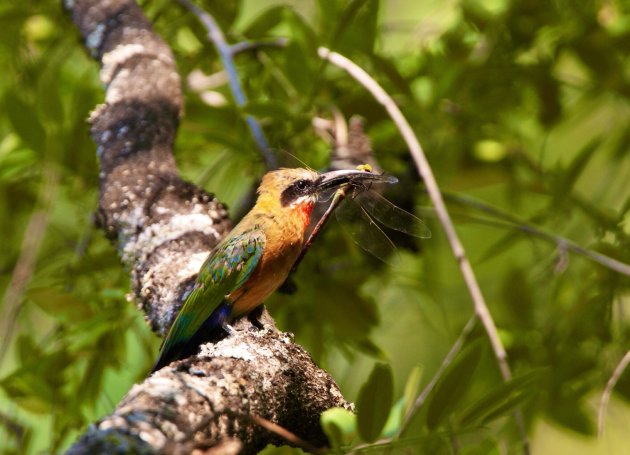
(304,211)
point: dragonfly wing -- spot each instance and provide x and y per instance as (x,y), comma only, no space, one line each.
(366,233)
(392,216)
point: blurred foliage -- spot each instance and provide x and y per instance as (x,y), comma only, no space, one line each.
(521,104)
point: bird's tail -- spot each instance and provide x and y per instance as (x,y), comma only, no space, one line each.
(211,330)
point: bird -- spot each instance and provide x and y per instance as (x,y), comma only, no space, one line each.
(254,259)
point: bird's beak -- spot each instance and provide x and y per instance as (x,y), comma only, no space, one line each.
(335,179)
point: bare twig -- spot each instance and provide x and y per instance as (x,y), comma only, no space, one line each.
(244,46)
(31,243)
(610,385)
(285,434)
(226,53)
(512,222)
(425,172)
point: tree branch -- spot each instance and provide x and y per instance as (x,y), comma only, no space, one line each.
(164,228)
(610,385)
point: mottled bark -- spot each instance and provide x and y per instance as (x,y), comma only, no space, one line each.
(164,228)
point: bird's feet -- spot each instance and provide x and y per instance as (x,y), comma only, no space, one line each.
(254,317)
(228,329)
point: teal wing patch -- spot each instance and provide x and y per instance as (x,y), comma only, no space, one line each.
(228,267)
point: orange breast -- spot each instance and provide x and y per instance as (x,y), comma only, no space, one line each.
(284,240)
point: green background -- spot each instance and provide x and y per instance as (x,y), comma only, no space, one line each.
(522,105)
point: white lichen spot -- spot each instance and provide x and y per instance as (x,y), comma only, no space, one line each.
(170,428)
(122,131)
(106,135)
(163,387)
(158,233)
(116,57)
(116,91)
(96,112)
(115,421)
(159,210)
(192,266)
(95,39)
(199,385)
(151,435)
(267,383)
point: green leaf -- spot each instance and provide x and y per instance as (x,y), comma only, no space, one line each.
(61,305)
(37,385)
(356,25)
(368,347)
(27,349)
(266,109)
(297,67)
(374,402)
(450,390)
(25,122)
(49,102)
(302,33)
(339,425)
(411,388)
(507,394)
(265,21)
(394,420)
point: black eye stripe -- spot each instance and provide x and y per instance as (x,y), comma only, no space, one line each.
(295,190)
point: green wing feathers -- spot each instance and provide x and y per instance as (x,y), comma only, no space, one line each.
(227,268)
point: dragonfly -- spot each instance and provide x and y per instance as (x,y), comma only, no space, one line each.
(363,213)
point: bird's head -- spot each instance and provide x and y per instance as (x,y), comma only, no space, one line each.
(297,189)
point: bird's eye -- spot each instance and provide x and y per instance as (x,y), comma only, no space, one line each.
(301,184)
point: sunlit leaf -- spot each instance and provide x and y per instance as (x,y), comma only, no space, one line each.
(339,425)
(412,388)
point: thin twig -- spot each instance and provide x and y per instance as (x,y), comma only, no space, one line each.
(610,385)
(226,53)
(425,172)
(561,242)
(31,243)
(244,46)
(285,434)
